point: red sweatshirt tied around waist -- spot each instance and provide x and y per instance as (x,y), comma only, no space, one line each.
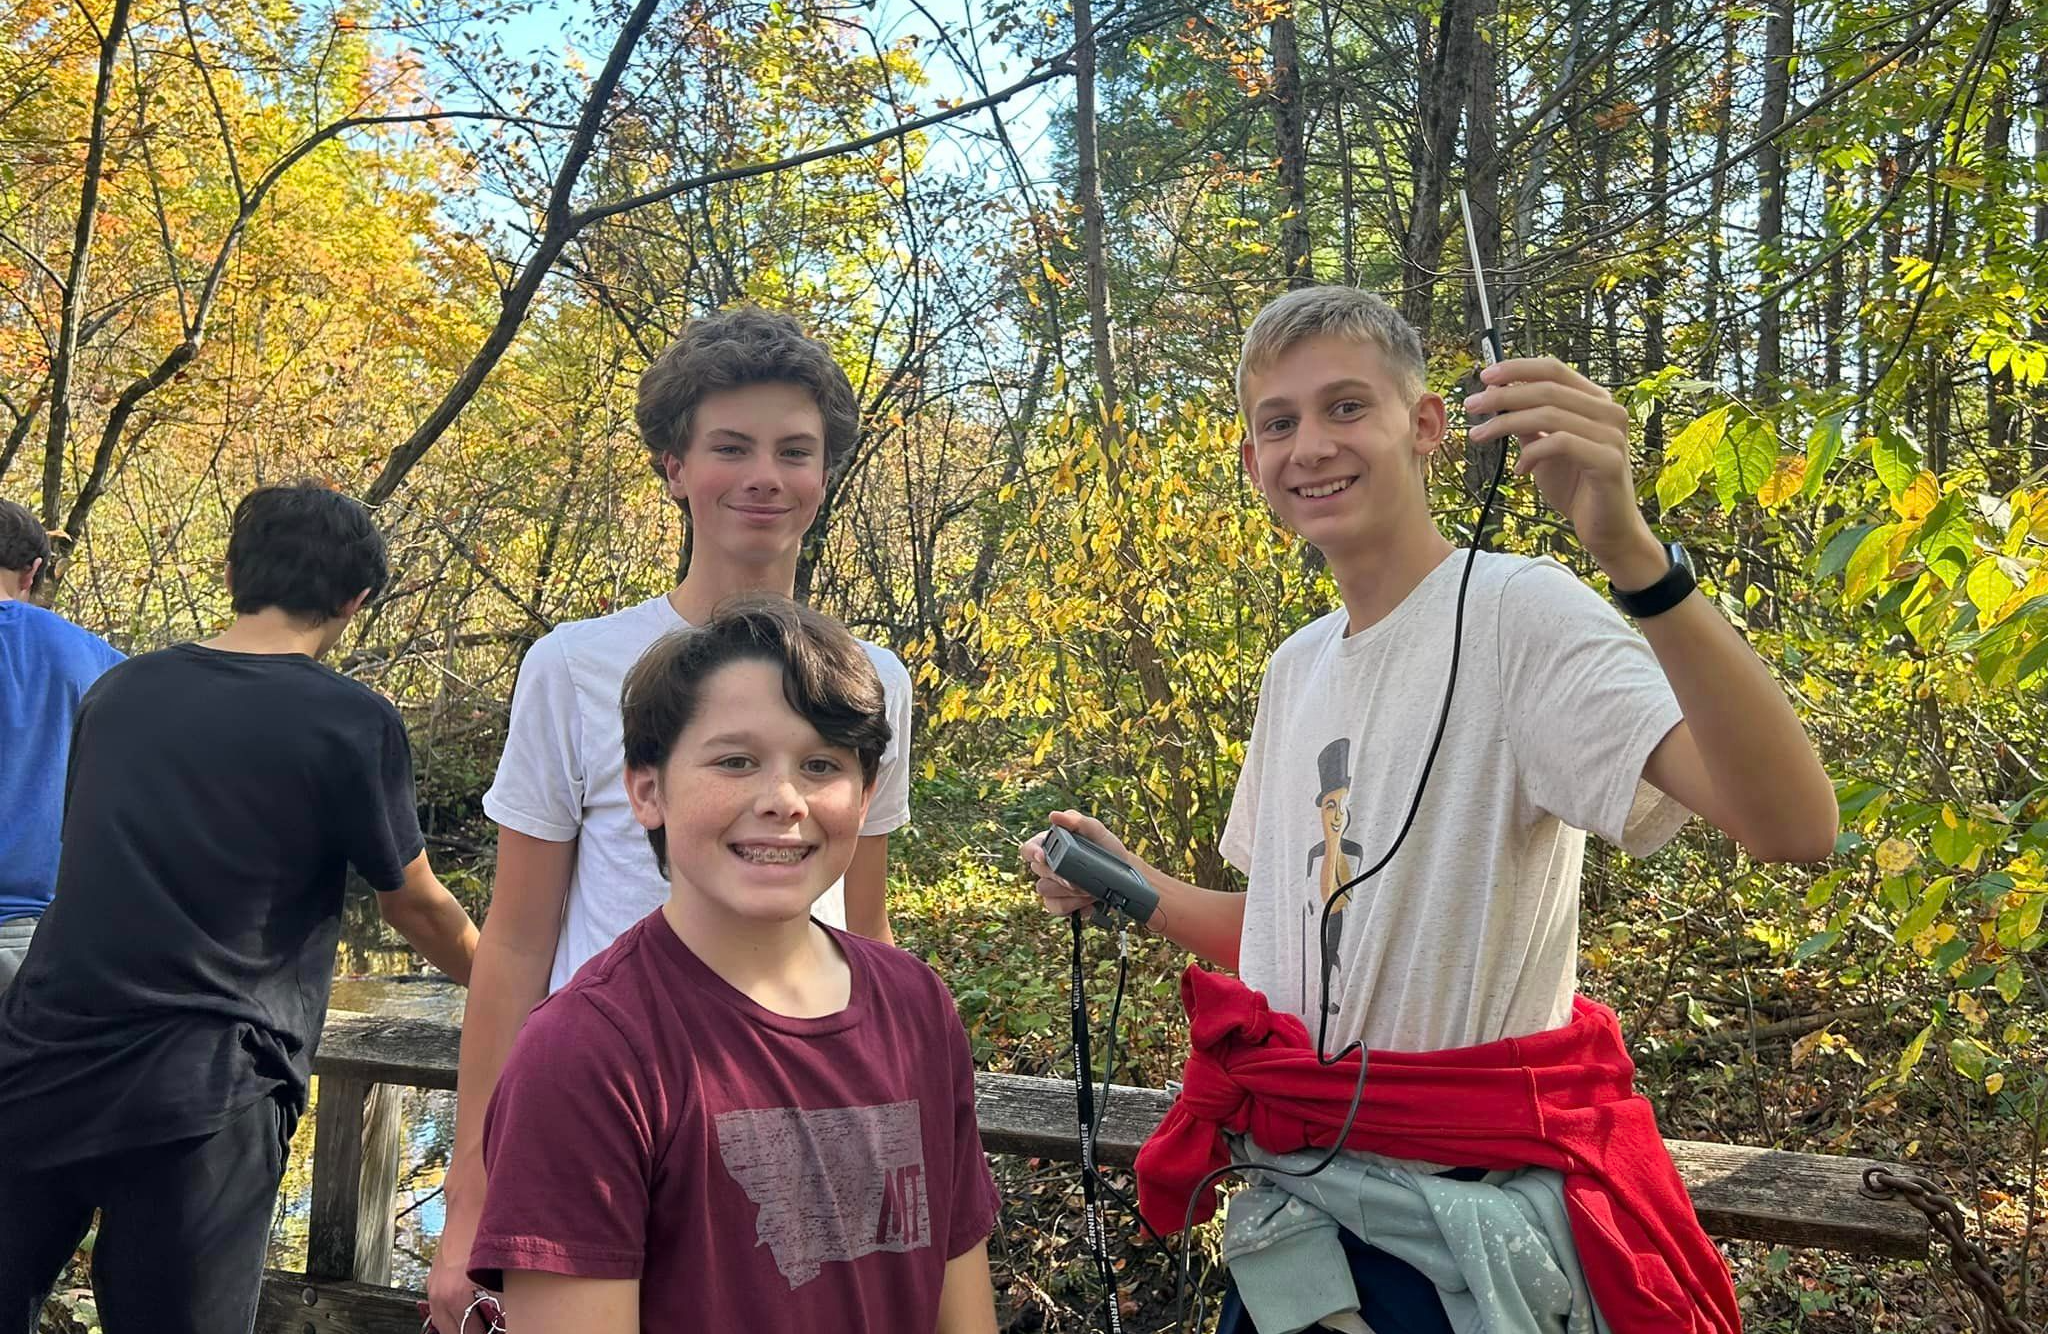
(1562,1099)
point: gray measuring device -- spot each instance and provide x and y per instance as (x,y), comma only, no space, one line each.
(1115,885)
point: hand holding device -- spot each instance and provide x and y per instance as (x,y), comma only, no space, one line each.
(1118,887)
(1574,440)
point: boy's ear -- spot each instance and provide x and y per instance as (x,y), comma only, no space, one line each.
(643,791)
(353,605)
(1248,455)
(1432,423)
(672,474)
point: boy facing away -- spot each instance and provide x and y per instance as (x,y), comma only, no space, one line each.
(1563,720)
(156,1047)
(737,1117)
(745,420)
(46,666)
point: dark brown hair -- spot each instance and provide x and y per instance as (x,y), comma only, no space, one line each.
(22,539)
(305,549)
(826,678)
(742,346)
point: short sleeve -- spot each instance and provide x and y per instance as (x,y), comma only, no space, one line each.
(890,809)
(1241,827)
(568,1151)
(538,790)
(386,835)
(975,1201)
(1586,704)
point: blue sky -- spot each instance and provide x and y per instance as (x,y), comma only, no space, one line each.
(541,34)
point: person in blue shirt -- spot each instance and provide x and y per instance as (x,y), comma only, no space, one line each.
(46,663)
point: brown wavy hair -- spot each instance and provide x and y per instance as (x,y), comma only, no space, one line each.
(826,678)
(742,346)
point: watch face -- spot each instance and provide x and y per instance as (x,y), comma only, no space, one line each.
(1679,559)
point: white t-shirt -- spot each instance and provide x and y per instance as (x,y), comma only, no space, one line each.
(562,775)
(1471,933)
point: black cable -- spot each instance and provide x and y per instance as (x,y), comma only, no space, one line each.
(1091,1109)
(1084,1101)
(1116,1007)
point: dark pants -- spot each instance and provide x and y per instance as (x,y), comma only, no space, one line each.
(1393,1297)
(184,1228)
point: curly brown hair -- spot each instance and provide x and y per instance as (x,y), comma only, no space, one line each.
(742,346)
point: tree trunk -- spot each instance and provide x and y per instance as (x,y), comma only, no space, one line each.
(1088,184)
(2039,453)
(63,360)
(1482,185)
(1717,204)
(1941,397)
(1602,212)
(1999,96)
(1834,297)
(1535,172)
(24,423)
(1770,170)
(1655,351)
(1295,262)
(1335,92)
(1442,105)
(1482,161)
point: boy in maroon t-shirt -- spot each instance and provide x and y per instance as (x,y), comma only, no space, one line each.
(736,1118)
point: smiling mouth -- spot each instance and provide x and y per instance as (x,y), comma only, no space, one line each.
(1321,489)
(772,854)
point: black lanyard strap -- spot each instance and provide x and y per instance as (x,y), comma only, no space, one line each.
(1084,1106)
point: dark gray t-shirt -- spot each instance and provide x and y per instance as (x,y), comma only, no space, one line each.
(213,806)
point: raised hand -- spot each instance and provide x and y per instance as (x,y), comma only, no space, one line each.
(1575,444)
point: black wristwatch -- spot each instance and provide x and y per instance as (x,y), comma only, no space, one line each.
(1663,595)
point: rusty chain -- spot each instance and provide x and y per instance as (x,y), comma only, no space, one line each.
(1966,1257)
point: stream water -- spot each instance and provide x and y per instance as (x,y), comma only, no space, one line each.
(374,978)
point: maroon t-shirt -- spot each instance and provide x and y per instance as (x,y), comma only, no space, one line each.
(751,1170)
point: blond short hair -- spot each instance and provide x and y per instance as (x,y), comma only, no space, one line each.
(1346,312)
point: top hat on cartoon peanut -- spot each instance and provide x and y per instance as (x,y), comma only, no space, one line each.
(1333,766)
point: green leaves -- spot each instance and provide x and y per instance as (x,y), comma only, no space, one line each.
(1896,458)
(1834,558)
(1744,457)
(1868,563)
(1691,452)
(1823,447)
(1988,588)
(1818,943)
(1739,449)
(1915,1049)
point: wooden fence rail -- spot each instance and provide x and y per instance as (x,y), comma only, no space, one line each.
(1795,1199)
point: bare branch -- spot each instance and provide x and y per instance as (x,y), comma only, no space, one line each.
(81,252)
(1046,74)
(563,226)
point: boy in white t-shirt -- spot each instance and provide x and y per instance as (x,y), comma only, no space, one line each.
(745,419)
(1563,719)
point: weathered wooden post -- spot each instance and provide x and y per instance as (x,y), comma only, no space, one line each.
(355,1181)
